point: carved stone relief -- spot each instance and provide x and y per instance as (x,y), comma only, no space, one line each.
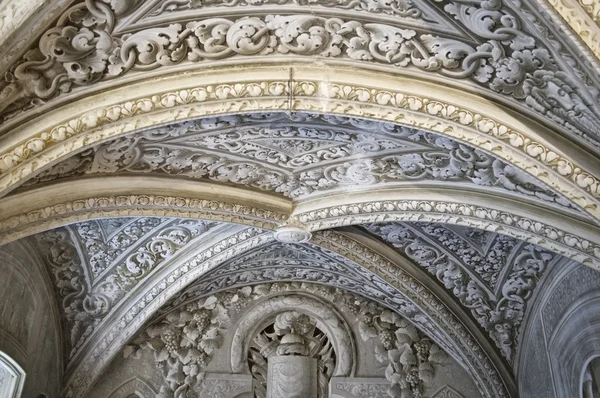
(116,256)
(310,155)
(225,386)
(359,388)
(494,279)
(182,349)
(505,58)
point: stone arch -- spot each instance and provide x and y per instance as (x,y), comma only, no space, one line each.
(50,207)
(447,318)
(43,142)
(12,377)
(328,319)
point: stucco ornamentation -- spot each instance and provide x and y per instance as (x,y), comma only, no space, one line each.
(82,50)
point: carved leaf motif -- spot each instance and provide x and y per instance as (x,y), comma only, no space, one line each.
(508,59)
(500,316)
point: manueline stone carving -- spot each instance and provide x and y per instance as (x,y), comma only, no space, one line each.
(82,49)
(501,313)
(87,296)
(292,333)
(404,8)
(331,153)
(409,354)
(101,249)
(183,344)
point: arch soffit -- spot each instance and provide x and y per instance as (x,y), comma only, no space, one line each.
(519,141)
(476,351)
(67,202)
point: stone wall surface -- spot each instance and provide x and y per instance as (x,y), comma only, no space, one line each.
(29,331)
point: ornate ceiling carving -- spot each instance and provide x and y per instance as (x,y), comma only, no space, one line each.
(96,263)
(98,266)
(490,274)
(499,49)
(310,155)
(462,136)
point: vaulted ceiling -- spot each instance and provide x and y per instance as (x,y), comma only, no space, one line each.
(438,157)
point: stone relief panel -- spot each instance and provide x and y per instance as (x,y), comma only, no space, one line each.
(309,155)
(503,54)
(182,348)
(491,274)
(359,388)
(96,263)
(225,386)
(297,334)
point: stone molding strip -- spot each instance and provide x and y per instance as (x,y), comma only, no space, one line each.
(50,207)
(567,236)
(72,201)
(528,146)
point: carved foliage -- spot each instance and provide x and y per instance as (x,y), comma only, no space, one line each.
(183,344)
(86,300)
(298,160)
(178,342)
(498,308)
(82,50)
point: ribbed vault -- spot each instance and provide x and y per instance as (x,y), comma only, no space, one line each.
(438,158)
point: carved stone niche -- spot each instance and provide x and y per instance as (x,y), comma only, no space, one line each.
(292,345)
